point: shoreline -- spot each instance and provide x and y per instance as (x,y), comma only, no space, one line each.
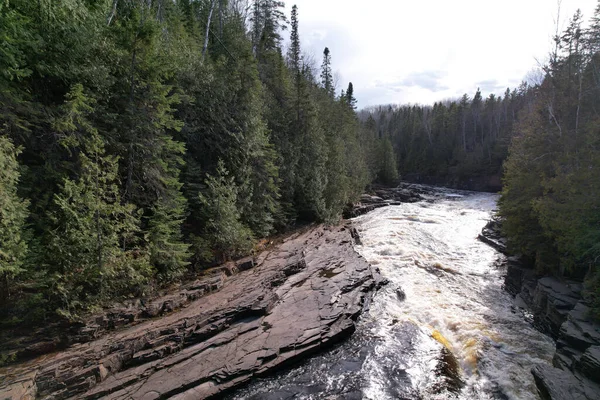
(300,297)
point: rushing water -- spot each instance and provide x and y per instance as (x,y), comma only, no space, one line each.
(443,328)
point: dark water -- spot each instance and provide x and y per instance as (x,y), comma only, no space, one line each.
(442,329)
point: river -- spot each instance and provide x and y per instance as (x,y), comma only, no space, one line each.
(443,328)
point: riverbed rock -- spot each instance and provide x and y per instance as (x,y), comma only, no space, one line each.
(382,196)
(578,336)
(589,364)
(556,384)
(301,297)
(552,301)
(558,310)
(491,234)
(356,210)
(519,278)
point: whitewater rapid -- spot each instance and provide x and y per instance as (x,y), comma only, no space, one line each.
(443,328)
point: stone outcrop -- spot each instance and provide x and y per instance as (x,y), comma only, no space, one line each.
(286,304)
(492,235)
(556,384)
(58,336)
(576,371)
(382,196)
(552,301)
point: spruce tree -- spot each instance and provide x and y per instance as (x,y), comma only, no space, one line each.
(13,213)
(227,235)
(294,57)
(388,171)
(326,74)
(350,99)
(92,246)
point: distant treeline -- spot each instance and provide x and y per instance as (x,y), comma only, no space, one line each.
(142,139)
(459,143)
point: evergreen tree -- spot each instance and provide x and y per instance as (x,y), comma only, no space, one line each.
(326,74)
(388,172)
(350,99)
(225,232)
(152,128)
(92,246)
(294,56)
(551,178)
(13,213)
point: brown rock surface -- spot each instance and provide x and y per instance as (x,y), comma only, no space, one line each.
(294,300)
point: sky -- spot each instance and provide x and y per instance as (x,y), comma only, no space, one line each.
(423,51)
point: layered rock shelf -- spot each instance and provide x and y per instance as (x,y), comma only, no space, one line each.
(492,236)
(381,196)
(249,319)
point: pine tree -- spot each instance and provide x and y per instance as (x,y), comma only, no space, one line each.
(165,140)
(294,57)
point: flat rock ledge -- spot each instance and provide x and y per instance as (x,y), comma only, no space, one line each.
(293,301)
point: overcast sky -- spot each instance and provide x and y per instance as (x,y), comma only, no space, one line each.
(421,51)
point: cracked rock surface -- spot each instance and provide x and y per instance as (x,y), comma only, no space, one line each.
(292,301)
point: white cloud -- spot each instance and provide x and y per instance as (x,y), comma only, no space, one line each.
(421,51)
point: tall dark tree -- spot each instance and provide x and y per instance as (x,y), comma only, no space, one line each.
(350,99)
(326,74)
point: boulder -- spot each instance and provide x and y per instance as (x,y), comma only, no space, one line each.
(578,332)
(491,234)
(245,264)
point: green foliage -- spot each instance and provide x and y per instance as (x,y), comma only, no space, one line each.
(388,172)
(451,142)
(13,212)
(552,179)
(91,246)
(228,236)
(144,155)
(326,74)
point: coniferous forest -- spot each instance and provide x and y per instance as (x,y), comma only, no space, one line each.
(144,139)
(141,140)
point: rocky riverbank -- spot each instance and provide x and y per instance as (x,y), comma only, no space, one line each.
(559,310)
(246,320)
(383,196)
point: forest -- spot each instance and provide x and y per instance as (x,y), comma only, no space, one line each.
(144,140)
(458,143)
(550,198)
